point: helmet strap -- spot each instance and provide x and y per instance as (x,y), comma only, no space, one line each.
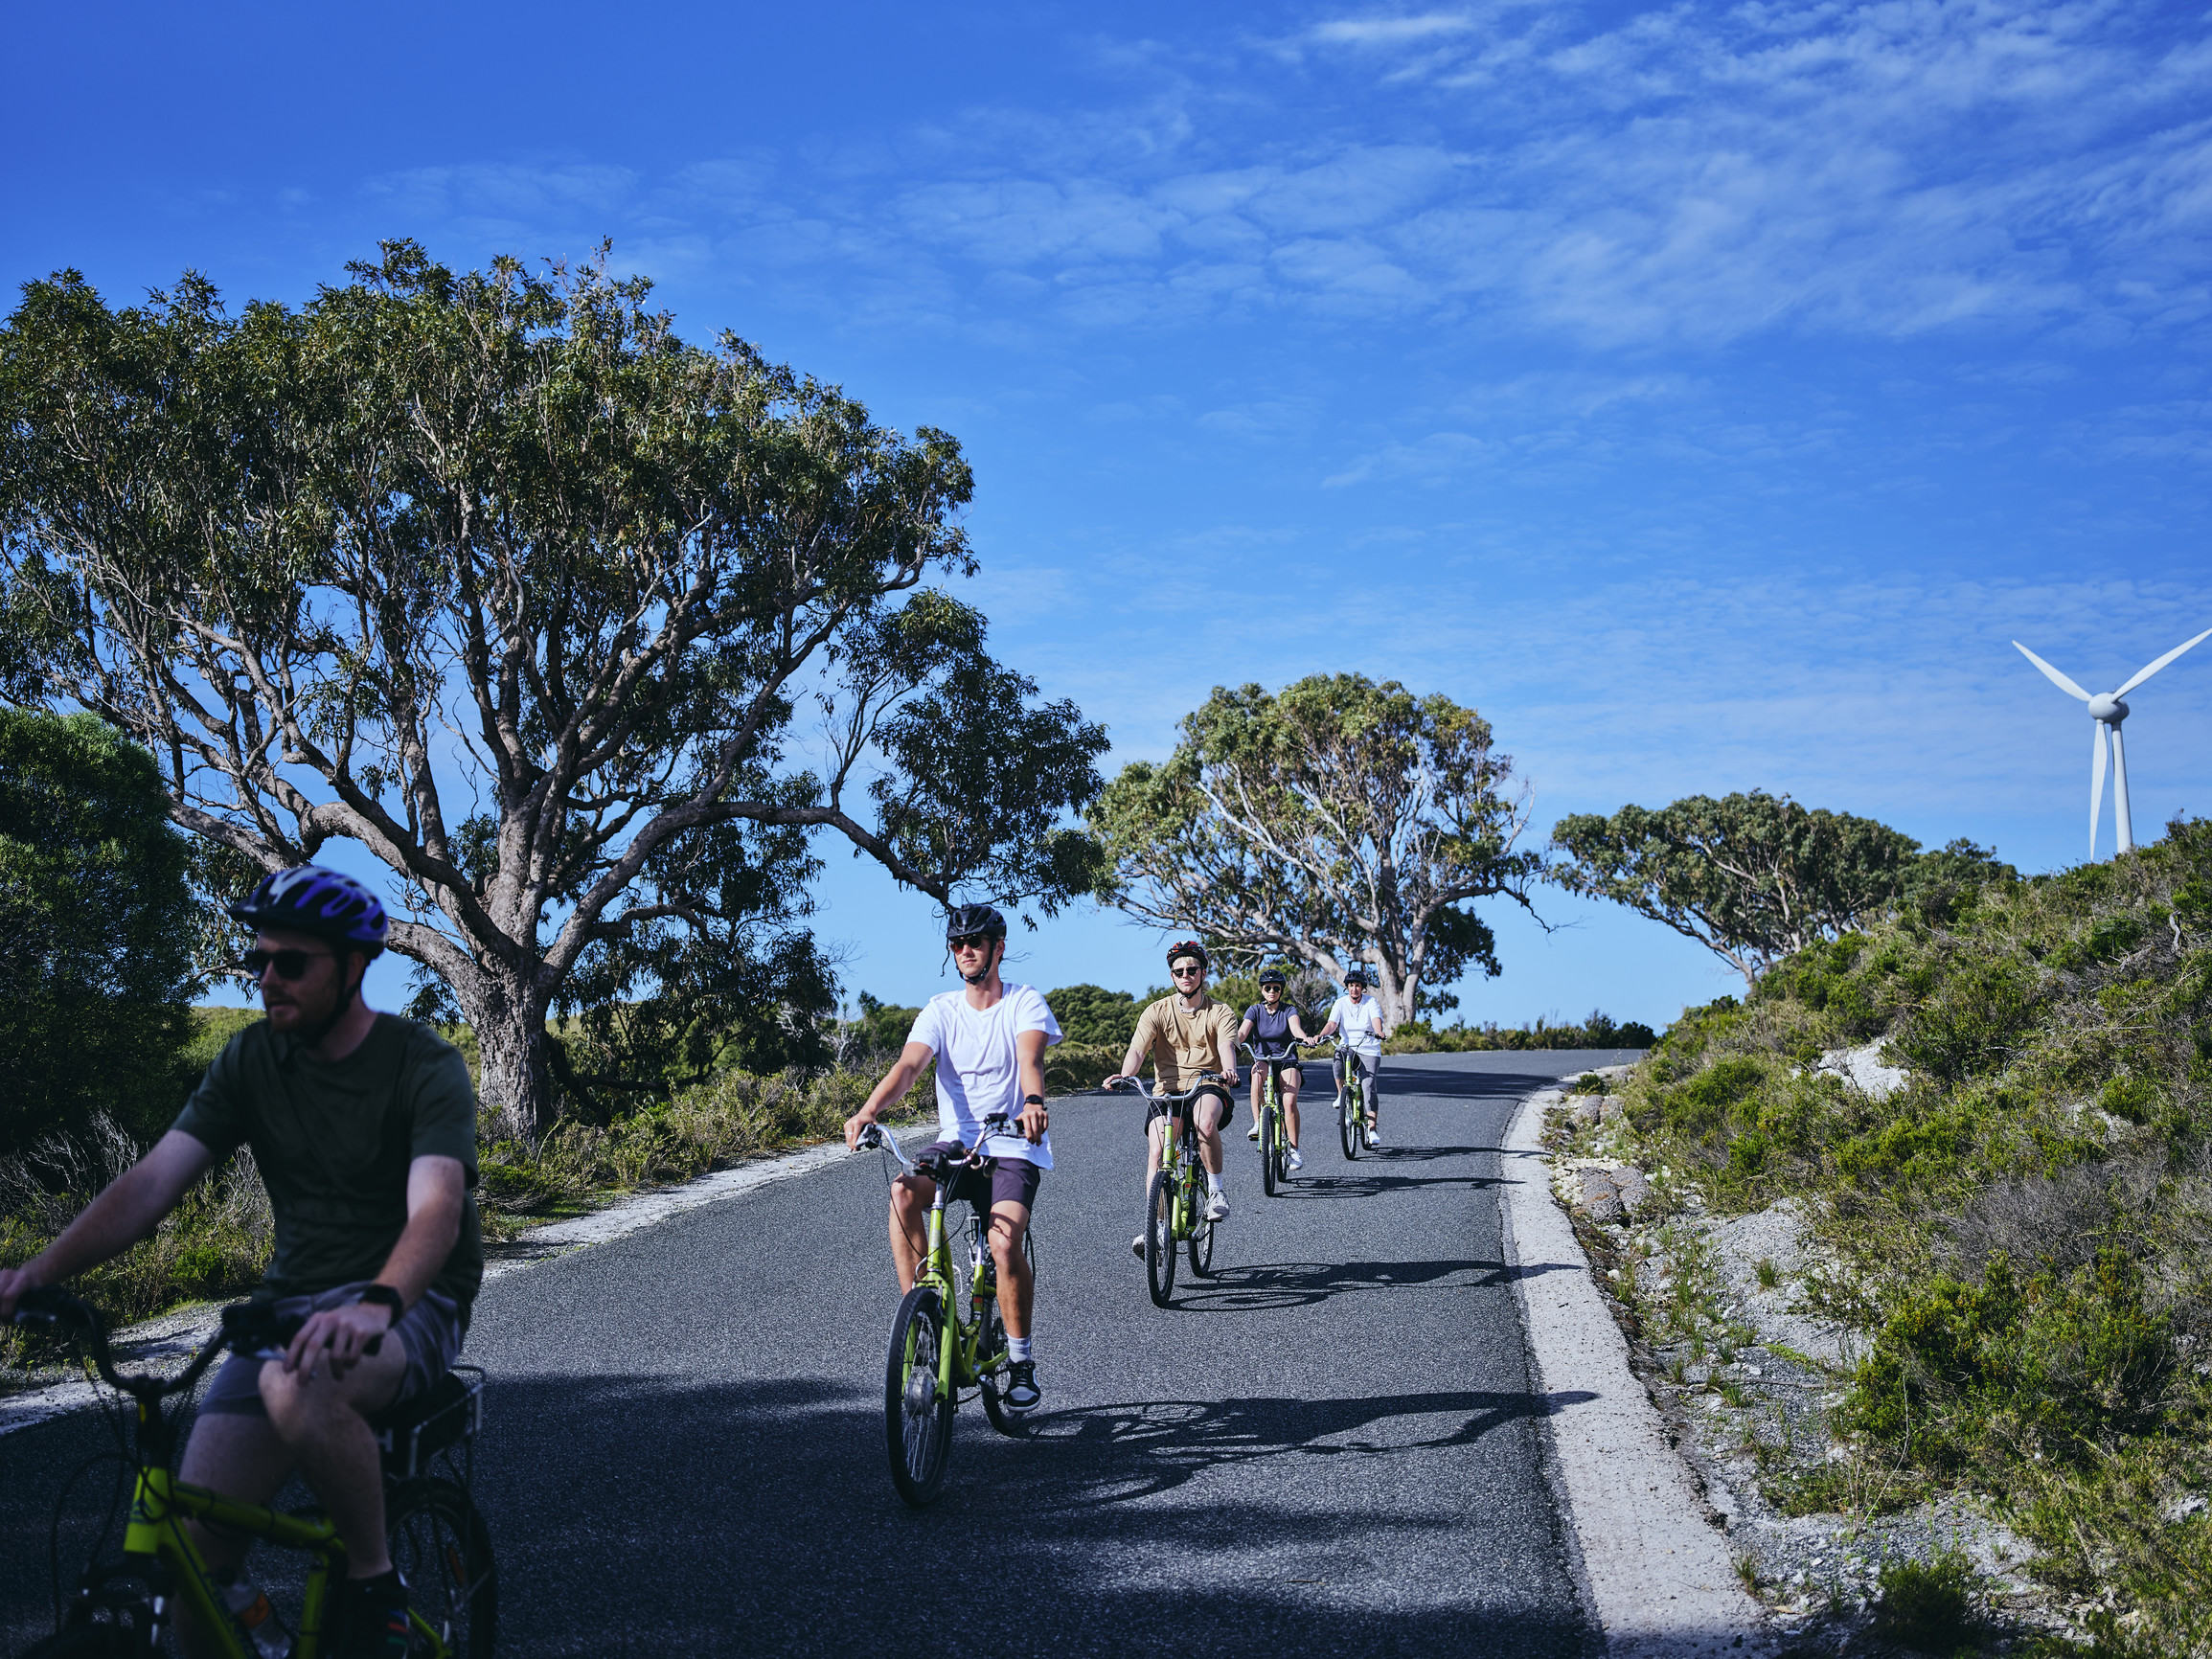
(313,1035)
(990,965)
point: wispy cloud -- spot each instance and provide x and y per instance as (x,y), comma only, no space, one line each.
(1693,174)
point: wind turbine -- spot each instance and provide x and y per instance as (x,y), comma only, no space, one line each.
(2106,713)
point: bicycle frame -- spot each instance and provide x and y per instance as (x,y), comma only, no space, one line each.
(961,1363)
(1269,1068)
(1179,1151)
(159,1506)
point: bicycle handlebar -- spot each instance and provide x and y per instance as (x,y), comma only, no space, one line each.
(1294,1044)
(877,1137)
(252,1328)
(1137,1086)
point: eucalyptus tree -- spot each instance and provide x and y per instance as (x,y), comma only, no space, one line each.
(583,630)
(1339,821)
(1754,877)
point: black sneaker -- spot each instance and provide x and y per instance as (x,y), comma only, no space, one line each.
(1022,1391)
(372,1618)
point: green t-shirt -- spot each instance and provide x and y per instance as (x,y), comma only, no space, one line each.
(335,1141)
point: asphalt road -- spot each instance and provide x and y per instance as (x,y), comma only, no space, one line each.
(1330,1447)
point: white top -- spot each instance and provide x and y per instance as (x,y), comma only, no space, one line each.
(978,1071)
(1360,1024)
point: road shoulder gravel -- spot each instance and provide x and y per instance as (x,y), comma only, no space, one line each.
(1661,1580)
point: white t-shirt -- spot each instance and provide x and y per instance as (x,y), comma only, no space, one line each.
(1362,1025)
(978,1071)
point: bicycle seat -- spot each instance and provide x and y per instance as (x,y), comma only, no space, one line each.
(410,1434)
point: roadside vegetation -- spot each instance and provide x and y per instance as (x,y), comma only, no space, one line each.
(2018,1231)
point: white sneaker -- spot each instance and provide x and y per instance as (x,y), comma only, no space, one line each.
(1296,1162)
(1217,1206)
(1137,1244)
(1374,1139)
(1252,1133)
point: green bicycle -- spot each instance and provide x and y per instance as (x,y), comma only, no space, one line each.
(438,1540)
(1352,1124)
(1274,1141)
(1175,1202)
(935,1351)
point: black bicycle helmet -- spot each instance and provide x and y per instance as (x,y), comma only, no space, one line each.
(1271,976)
(326,904)
(967,921)
(1357,976)
(1189,947)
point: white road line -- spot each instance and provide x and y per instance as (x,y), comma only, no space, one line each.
(1662,1579)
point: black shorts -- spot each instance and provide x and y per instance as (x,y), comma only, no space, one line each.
(1161,1109)
(1000,1180)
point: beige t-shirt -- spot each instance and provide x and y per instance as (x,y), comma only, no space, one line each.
(1183,1044)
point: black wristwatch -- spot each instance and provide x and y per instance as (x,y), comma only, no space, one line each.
(384,1296)
(1033,1099)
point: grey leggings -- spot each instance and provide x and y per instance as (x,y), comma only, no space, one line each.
(1370,1074)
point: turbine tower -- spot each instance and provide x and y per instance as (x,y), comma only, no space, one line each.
(2106,713)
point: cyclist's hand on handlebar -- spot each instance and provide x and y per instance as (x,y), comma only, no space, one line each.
(13,1283)
(337,1338)
(854,1126)
(1032,1124)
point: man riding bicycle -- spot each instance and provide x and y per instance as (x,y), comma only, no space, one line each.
(989,1042)
(1359,1017)
(1186,1032)
(1270,1026)
(363,1125)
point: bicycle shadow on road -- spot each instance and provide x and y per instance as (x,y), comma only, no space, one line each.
(1177,1441)
(1266,1286)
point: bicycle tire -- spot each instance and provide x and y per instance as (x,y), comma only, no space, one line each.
(87,1642)
(1348,1120)
(1270,1134)
(1203,1250)
(443,1549)
(917,1418)
(991,1379)
(1160,1238)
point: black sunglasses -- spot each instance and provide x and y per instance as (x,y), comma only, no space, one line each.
(1187,972)
(971,942)
(288,963)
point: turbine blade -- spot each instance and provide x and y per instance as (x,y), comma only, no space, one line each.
(2052,674)
(2096,781)
(2146,674)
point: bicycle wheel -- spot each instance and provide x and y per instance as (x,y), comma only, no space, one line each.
(1160,1238)
(992,1379)
(443,1549)
(1348,1119)
(1271,1132)
(917,1414)
(1202,1248)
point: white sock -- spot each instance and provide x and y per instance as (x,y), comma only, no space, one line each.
(1018,1348)
(1213,1182)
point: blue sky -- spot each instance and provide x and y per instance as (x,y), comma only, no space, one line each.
(1707,394)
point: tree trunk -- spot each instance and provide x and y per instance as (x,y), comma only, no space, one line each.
(514,1049)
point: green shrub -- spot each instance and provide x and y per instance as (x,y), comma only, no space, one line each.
(1927,1606)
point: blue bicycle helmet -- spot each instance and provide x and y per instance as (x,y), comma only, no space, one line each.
(328,904)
